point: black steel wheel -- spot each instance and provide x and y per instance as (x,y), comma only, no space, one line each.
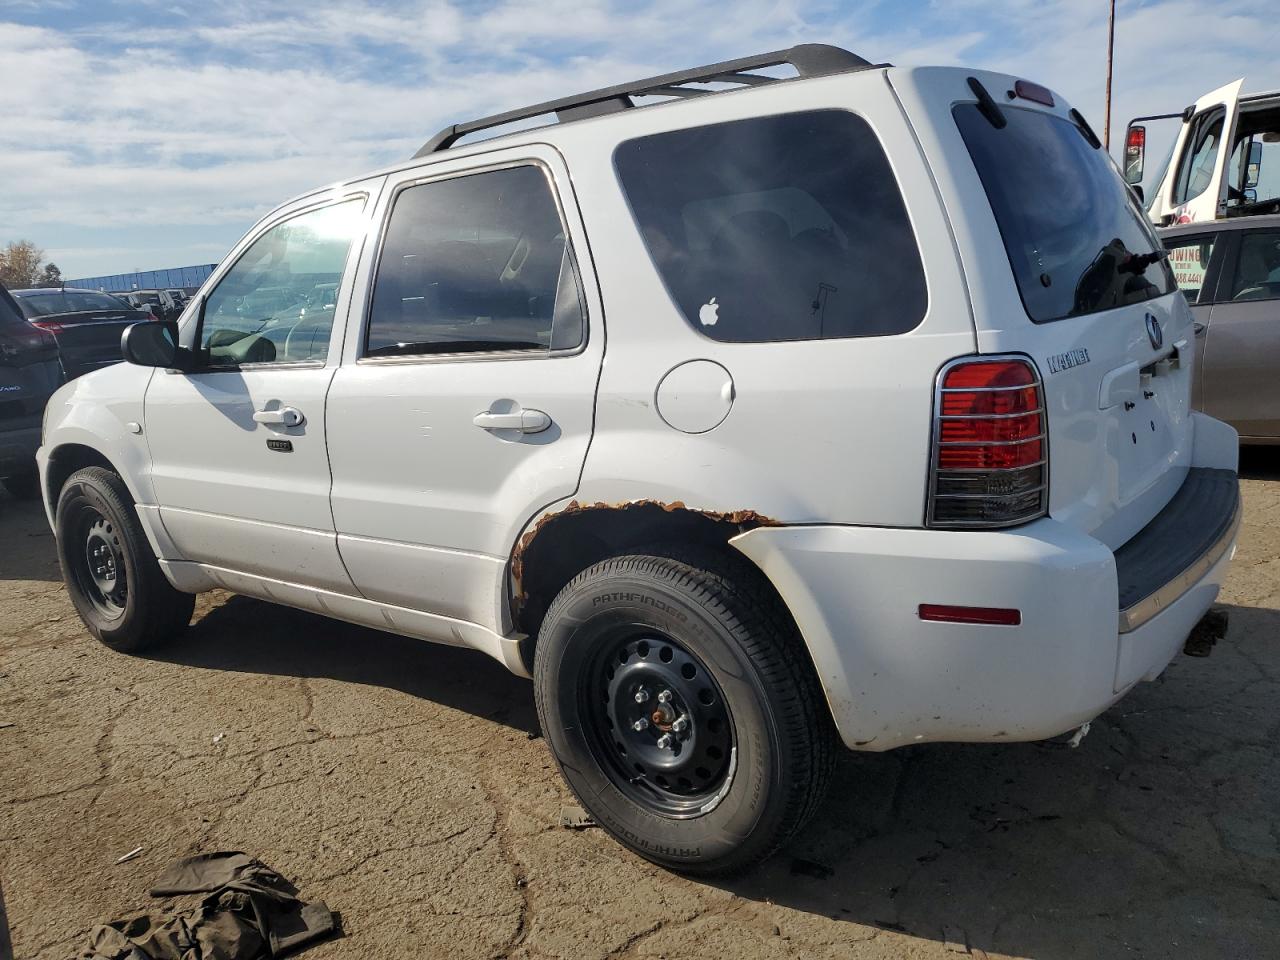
(682,709)
(660,723)
(112,575)
(99,567)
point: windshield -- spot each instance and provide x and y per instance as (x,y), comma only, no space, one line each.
(1075,236)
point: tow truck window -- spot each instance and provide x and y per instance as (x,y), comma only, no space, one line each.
(1199,156)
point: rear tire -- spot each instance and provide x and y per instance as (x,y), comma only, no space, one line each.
(23,486)
(111,573)
(635,643)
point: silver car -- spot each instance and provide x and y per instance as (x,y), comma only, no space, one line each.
(1230,273)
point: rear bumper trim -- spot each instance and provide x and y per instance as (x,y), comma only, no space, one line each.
(1138,612)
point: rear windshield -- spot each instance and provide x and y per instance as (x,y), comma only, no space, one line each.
(57,302)
(788,227)
(1076,238)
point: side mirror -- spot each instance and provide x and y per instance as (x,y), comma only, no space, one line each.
(153,343)
(1135,150)
(1254,169)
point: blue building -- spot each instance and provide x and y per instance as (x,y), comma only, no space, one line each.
(183,278)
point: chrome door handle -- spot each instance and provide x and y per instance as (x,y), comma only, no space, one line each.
(284,417)
(526,421)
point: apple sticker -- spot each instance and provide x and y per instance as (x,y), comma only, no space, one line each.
(709,313)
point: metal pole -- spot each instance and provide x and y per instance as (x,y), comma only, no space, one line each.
(1111,45)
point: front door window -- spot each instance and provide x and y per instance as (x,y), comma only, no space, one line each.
(276,304)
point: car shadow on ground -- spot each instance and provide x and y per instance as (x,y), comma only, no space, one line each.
(27,550)
(252,636)
(1260,463)
(1160,829)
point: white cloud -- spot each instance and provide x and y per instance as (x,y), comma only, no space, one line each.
(206,114)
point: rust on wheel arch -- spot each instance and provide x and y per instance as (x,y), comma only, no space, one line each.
(746,519)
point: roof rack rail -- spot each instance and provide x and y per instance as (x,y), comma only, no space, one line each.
(809,60)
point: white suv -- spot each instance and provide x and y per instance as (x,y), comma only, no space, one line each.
(848,407)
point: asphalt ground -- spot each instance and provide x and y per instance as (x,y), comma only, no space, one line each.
(406,785)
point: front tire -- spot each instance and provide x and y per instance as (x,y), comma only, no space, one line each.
(682,710)
(110,571)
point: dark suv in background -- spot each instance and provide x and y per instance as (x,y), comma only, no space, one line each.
(86,324)
(29,372)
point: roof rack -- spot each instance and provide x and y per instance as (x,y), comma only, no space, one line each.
(809,60)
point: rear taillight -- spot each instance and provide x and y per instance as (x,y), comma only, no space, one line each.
(989,465)
(49,326)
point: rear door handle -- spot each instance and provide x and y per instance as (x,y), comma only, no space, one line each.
(526,421)
(283,417)
(1199,328)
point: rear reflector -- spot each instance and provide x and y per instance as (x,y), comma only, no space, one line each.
(989,445)
(988,616)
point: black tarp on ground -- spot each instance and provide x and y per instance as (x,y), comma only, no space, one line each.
(251,912)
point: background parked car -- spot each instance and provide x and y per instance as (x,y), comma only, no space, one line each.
(29,373)
(136,302)
(1230,273)
(180,298)
(159,302)
(86,324)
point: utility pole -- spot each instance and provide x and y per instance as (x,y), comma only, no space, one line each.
(1111,46)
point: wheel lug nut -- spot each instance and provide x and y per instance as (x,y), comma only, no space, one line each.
(641,724)
(664,741)
(664,696)
(642,695)
(680,725)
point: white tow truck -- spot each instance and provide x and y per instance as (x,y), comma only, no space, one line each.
(1207,182)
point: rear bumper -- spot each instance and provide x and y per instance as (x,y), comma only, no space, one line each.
(892,679)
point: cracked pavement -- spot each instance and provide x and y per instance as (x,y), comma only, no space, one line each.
(404,784)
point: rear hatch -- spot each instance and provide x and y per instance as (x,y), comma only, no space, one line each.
(1064,268)
(87,325)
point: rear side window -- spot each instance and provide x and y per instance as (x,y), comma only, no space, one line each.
(789,227)
(477,263)
(10,312)
(1075,236)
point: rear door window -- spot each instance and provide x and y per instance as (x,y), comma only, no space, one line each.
(789,227)
(476,263)
(1257,274)
(1076,238)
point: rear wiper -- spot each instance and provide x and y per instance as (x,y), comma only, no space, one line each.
(1137,263)
(987,106)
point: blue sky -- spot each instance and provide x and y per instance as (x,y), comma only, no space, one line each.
(153,133)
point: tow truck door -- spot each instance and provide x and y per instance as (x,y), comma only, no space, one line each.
(1194,186)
